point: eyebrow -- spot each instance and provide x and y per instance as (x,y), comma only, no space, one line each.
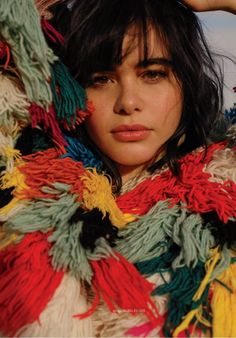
(154,61)
(142,64)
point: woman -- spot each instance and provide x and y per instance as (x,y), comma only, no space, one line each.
(158,257)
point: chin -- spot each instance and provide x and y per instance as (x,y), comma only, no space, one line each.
(132,161)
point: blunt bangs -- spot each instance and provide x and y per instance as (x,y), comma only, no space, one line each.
(97,45)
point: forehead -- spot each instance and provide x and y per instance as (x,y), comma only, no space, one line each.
(146,44)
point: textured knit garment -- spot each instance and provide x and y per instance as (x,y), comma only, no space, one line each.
(77,261)
(52,286)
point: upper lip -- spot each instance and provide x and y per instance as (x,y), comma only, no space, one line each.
(129,127)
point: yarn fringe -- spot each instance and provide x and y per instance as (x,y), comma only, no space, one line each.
(222,167)
(20,27)
(51,32)
(98,194)
(40,116)
(118,283)
(14,106)
(27,282)
(5,54)
(57,319)
(224,303)
(13,179)
(78,152)
(8,154)
(194,188)
(68,96)
(45,168)
(10,209)
(44,7)
(145,329)
(210,266)
(158,229)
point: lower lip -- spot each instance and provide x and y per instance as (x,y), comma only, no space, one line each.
(131,135)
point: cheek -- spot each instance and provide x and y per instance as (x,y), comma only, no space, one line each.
(96,124)
(98,113)
(169,110)
(102,104)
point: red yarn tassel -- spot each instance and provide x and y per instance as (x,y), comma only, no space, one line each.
(145,329)
(194,188)
(27,282)
(51,32)
(120,284)
(48,120)
(5,53)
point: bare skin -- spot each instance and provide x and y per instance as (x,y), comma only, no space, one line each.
(210,5)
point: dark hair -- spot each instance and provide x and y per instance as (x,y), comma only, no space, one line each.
(94,32)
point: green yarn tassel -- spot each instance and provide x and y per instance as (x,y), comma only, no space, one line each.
(67,252)
(20,27)
(163,225)
(159,264)
(68,96)
(45,214)
(184,283)
(148,229)
(181,287)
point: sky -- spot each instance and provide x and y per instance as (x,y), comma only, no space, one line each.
(220,30)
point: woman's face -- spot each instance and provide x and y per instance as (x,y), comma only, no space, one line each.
(137,105)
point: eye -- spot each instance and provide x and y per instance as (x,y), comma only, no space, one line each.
(101,80)
(154,75)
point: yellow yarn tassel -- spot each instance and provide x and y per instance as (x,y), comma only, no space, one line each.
(224,304)
(7,152)
(201,319)
(13,179)
(98,194)
(8,209)
(10,239)
(11,153)
(210,265)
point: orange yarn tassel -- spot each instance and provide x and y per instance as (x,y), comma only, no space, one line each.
(45,168)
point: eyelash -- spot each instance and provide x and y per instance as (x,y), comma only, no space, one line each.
(154,75)
(100,80)
(149,75)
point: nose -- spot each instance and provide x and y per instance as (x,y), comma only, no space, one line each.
(128,100)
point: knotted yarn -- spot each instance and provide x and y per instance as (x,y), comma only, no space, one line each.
(20,27)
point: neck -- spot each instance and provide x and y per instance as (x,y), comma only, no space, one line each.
(130,172)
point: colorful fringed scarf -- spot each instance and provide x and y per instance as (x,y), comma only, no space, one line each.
(62,228)
(173,230)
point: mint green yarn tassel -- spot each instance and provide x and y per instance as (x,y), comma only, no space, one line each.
(45,214)
(194,239)
(71,96)
(161,226)
(14,106)
(20,27)
(147,229)
(68,253)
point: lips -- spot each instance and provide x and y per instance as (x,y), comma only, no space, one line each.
(130,133)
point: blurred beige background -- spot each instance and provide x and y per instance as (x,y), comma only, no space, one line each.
(220,29)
